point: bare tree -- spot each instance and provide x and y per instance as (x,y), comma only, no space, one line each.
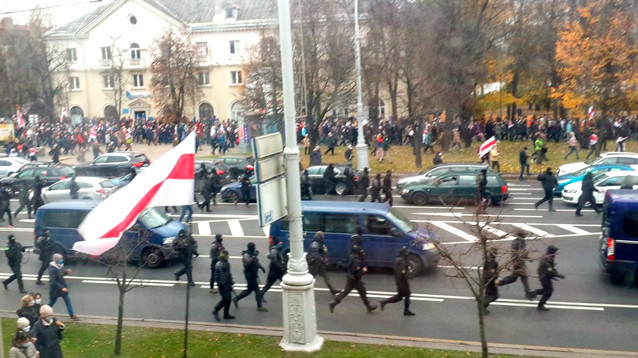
(117,75)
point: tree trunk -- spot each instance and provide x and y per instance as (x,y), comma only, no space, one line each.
(120,319)
(481,312)
(418,139)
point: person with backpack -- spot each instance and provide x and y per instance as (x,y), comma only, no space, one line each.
(13,251)
(215,250)
(251,273)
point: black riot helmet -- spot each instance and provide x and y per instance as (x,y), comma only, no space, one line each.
(251,247)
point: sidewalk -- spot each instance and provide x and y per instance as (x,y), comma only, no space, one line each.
(360,338)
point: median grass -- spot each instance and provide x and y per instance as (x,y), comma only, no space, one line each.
(89,340)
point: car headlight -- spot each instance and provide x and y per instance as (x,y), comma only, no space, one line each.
(428,246)
(169,241)
(570,191)
(405,191)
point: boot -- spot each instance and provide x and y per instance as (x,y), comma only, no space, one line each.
(216,315)
(408,313)
(371,308)
(262,309)
(228,316)
(551,206)
(382,304)
(235,303)
(331,305)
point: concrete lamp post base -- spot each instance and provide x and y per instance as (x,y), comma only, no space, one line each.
(362,156)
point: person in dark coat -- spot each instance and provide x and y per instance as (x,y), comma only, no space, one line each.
(350,181)
(186,246)
(58,286)
(587,195)
(481,184)
(5,207)
(401,279)
(37,193)
(522,160)
(251,272)
(215,186)
(206,193)
(490,277)
(224,279)
(348,155)
(519,266)
(47,333)
(628,183)
(46,247)
(329,179)
(276,268)
(546,274)
(74,188)
(215,250)
(549,183)
(13,251)
(387,187)
(23,197)
(245,188)
(29,310)
(375,190)
(315,156)
(318,260)
(364,183)
(306,186)
(356,270)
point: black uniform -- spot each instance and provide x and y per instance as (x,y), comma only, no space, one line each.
(224,280)
(364,183)
(329,179)
(481,183)
(318,261)
(356,270)
(387,188)
(245,188)
(37,194)
(490,275)
(519,266)
(23,197)
(401,279)
(215,250)
(546,274)
(5,197)
(206,193)
(349,173)
(186,247)
(214,186)
(13,252)
(46,247)
(251,269)
(74,188)
(549,182)
(306,188)
(276,268)
(375,191)
(588,195)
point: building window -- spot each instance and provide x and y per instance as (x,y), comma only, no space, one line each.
(230,12)
(235,77)
(204,79)
(135,51)
(234,46)
(138,81)
(132,19)
(108,81)
(106,53)
(71,55)
(202,49)
(206,111)
(75,83)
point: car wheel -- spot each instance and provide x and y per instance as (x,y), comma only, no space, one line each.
(152,257)
(419,198)
(415,266)
(234,197)
(340,188)
(486,200)
(122,172)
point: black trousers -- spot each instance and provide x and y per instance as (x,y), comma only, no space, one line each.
(388,195)
(364,194)
(252,286)
(224,302)
(315,271)
(17,275)
(43,267)
(330,149)
(273,276)
(212,273)
(403,292)
(6,210)
(187,269)
(354,283)
(23,203)
(584,199)
(513,277)
(546,291)
(491,293)
(549,196)
(375,196)
(246,196)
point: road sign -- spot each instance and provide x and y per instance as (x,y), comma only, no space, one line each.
(266,145)
(269,168)
(271,200)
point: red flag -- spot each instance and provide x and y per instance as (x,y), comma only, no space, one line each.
(486,147)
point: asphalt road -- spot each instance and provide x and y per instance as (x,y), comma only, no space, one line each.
(588,311)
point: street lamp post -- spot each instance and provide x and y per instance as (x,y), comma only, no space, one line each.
(300,318)
(362,147)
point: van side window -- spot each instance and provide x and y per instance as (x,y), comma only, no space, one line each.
(341,223)
(63,219)
(314,222)
(630,223)
(376,225)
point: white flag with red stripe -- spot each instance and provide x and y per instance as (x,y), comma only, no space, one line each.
(167,181)
(486,147)
(20,119)
(591,113)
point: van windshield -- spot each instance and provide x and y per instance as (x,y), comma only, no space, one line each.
(401,221)
(151,218)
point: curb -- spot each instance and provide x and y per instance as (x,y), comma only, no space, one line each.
(361,338)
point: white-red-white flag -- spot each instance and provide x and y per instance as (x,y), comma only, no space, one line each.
(486,147)
(591,113)
(167,181)
(20,119)
(63,114)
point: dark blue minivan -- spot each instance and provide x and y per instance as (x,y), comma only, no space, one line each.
(62,218)
(619,239)
(385,232)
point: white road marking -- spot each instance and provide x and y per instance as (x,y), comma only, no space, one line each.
(573,229)
(203,227)
(495,216)
(566,236)
(27,220)
(522,185)
(225,216)
(517,194)
(428,207)
(235,228)
(526,198)
(497,303)
(510,223)
(452,230)
(500,234)
(533,230)
(561,210)
(266,230)
(142,284)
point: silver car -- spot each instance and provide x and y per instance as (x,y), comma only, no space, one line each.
(10,165)
(91,188)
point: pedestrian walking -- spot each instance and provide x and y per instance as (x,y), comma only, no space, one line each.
(187,211)
(494,155)
(332,142)
(386,150)
(5,207)
(549,183)
(375,191)
(401,279)
(593,144)
(13,251)
(224,279)
(215,185)
(46,247)
(28,309)
(245,188)
(522,160)
(58,286)
(587,195)
(23,197)
(427,143)
(490,277)
(571,143)
(185,247)
(356,270)
(276,268)
(348,155)
(206,193)
(350,181)
(318,260)
(215,251)
(546,274)
(364,183)
(37,193)
(251,273)
(22,347)
(329,179)
(519,257)
(306,187)
(74,188)
(47,333)
(620,143)
(387,187)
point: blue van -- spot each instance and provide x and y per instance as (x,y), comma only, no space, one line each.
(62,219)
(385,232)
(619,238)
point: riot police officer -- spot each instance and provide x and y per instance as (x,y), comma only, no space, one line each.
(215,250)
(546,274)
(387,187)
(519,257)
(13,251)
(276,268)
(74,188)
(186,247)
(46,247)
(318,260)
(251,272)
(23,197)
(224,280)
(306,187)
(37,193)
(245,188)
(364,182)
(401,279)
(375,191)
(490,277)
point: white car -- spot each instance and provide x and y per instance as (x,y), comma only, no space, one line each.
(10,165)
(602,182)
(91,188)
(621,158)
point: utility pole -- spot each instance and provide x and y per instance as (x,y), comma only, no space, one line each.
(300,318)
(362,147)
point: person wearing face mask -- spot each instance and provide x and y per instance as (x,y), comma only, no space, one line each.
(251,272)
(276,269)
(47,333)
(58,286)
(28,310)
(22,347)
(14,251)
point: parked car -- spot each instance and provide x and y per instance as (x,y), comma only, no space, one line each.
(578,176)
(115,164)
(232,192)
(91,188)
(210,165)
(439,170)
(238,166)
(456,187)
(621,158)
(603,182)
(48,173)
(385,231)
(618,245)
(315,173)
(10,165)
